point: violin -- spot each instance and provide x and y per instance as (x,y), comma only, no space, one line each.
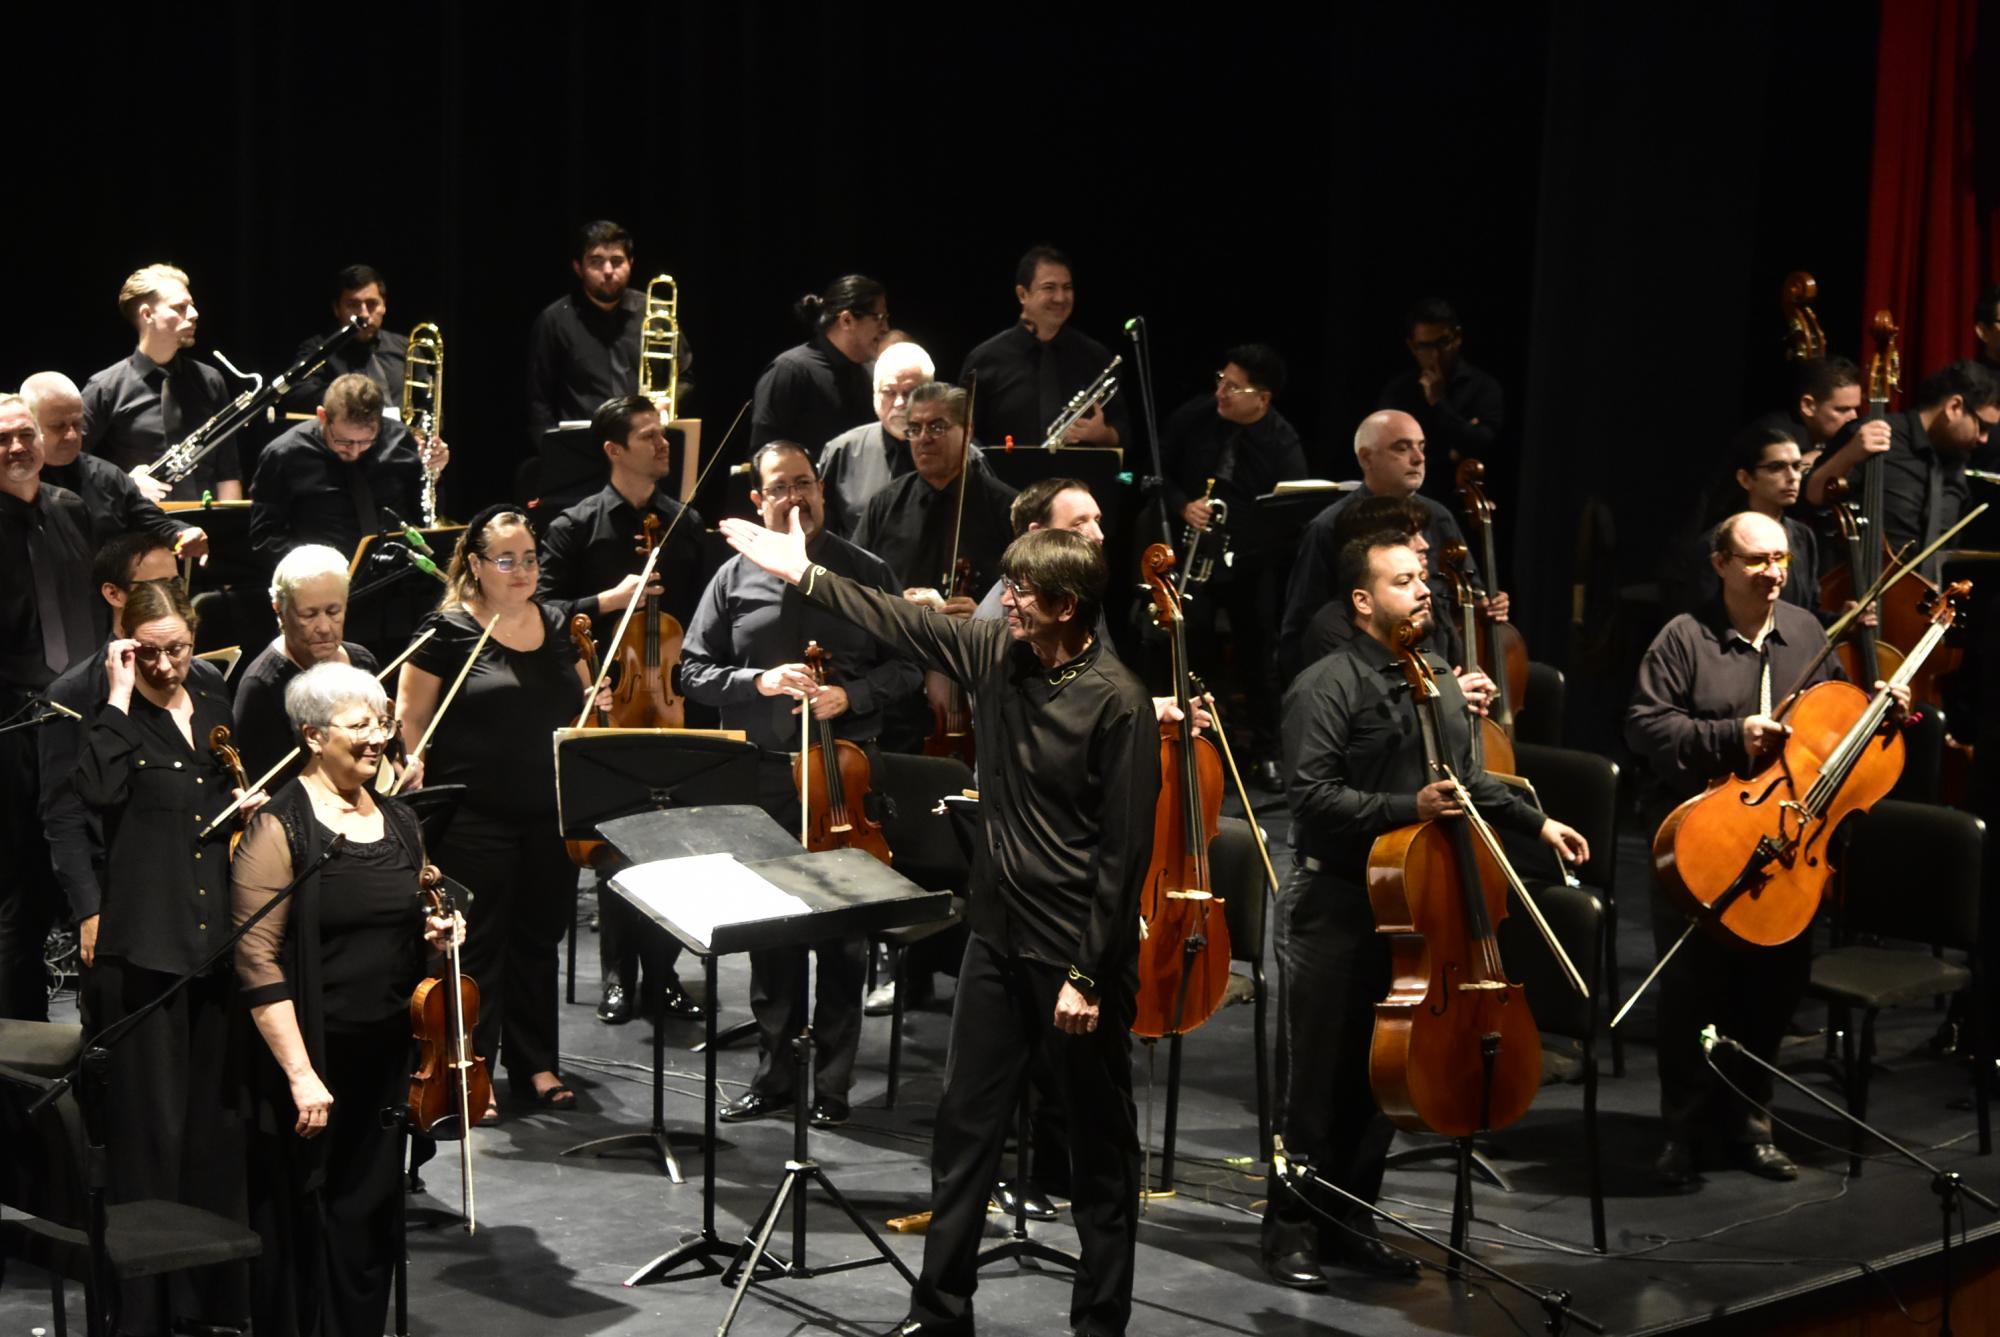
(449,1089)
(1493,748)
(1455,1049)
(648,653)
(834,781)
(951,712)
(587,853)
(218,743)
(1501,651)
(1183,931)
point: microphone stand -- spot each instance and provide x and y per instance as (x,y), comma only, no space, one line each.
(1293,1172)
(1142,358)
(1945,1183)
(51,712)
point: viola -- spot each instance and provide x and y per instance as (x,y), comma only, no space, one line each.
(1501,651)
(1183,931)
(218,743)
(834,782)
(648,652)
(587,853)
(449,1088)
(1495,748)
(951,711)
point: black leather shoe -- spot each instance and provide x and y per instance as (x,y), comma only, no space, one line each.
(1675,1166)
(616,1009)
(829,1112)
(1764,1158)
(753,1105)
(1298,1270)
(1270,777)
(680,1007)
(1011,1197)
(916,1327)
(1359,1248)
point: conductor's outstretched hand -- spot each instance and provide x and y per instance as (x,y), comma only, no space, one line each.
(782,552)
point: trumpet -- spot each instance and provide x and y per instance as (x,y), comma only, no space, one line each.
(660,346)
(423,403)
(1197,564)
(1098,393)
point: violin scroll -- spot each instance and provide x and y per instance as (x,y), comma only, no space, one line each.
(1154,563)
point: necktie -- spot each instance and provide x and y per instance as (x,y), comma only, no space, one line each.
(1933,513)
(66,632)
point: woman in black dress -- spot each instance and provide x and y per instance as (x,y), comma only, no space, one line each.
(148,773)
(503,843)
(328,976)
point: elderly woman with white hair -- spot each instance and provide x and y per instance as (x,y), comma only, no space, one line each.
(309,595)
(327,976)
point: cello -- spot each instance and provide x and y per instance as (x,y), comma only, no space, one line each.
(1183,932)
(1496,749)
(1455,1049)
(648,650)
(833,780)
(1501,651)
(449,1080)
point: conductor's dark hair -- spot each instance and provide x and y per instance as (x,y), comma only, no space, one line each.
(1747,447)
(1034,258)
(1965,378)
(1365,517)
(613,419)
(850,292)
(771,448)
(1059,564)
(1428,311)
(353,278)
(1261,363)
(1821,376)
(118,560)
(1035,503)
(602,232)
(1355,558)
(1986,309)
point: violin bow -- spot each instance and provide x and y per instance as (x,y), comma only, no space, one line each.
(1491,839)
(805,772)
(291,756)
(646,575)
(437,716)
(1242,794)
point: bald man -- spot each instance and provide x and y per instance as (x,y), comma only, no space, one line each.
(1389,447)
(1705,708)
(115,503)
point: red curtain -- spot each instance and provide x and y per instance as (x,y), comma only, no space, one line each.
(1926,262)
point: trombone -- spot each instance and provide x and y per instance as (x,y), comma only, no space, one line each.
(660,346)
(423,402)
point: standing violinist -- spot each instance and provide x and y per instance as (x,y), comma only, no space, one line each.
(1069,770)
(1704,709)
(1356,769)
(591,558)
(744,656)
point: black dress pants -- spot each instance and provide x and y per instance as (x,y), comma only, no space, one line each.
(523,900)
(625,943)
(1332,970)
(168,1127)
(1002,1019)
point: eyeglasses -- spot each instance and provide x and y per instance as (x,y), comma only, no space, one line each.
(508,563)
(351,442)
(786,491)
(150,654)
(1016,588)
(882,315)
(1781,467)
(934,429)
(372,731)
(1757,563)
(1227,388)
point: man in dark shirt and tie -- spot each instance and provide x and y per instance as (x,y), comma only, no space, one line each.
(48,621)
(134,409)
(584,347)
(591,558)
(1028,373)
(114,502)
(1355,769)
(359,293)
(744,656)
(1461,409)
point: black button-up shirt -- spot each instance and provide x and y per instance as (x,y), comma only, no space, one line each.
(74,832)
(263,730)
(596,543)
(853,467)
(1908,467)
(1016,399)
(113,501)
(749,621)
(1354,756)
(580,355)
(810,394)
(134,409)
(165,891)
(381,359)
(1316,573)
(1701,679)
(1246,462)
(909,525)
(304,493)
(1464,424)
(1069,772)
(52,530)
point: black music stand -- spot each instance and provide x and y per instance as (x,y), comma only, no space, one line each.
(387,593)
(603,775)
(845,894)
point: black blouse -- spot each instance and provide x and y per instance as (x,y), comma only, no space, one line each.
(371,926)
(496,738)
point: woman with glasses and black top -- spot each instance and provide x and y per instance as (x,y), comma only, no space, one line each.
(494,738)
(148,772)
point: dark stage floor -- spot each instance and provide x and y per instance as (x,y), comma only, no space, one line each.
(559,1235)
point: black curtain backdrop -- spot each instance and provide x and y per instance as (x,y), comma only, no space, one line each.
(1609,197)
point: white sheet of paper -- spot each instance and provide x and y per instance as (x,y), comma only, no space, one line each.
(703,891)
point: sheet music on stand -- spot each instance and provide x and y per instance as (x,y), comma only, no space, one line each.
(702,892)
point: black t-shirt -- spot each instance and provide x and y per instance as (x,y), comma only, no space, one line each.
(495,739)
(370,932)
(263,731)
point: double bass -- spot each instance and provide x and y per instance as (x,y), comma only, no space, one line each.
(833,780)
(1183,931)
(1500,650)
(449,1087)
(1496,747)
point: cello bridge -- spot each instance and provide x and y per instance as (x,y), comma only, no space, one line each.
(1193,894)
(1470,986)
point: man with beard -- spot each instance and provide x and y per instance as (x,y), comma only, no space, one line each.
(359,293)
